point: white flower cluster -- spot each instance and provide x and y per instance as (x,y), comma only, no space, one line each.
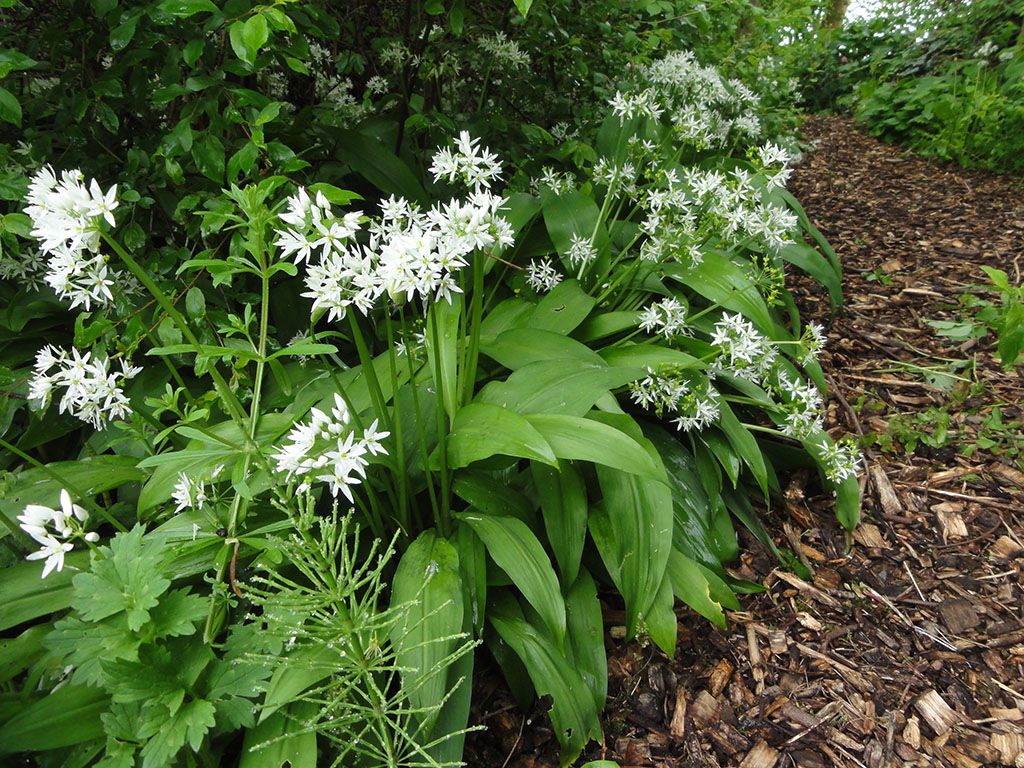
(66,219)
(581,251)
(28,268)
(558,182)
(667,317)
(704,109)
(312,226)
(986,50)
(66,522)
(675,393)
(745,353)
(504,50)
(474,166)
(542,276)
(770,155)
(326,449)
(93,393)
(190,492)
(841,460)
(409,252)
(646,103)
(802,404)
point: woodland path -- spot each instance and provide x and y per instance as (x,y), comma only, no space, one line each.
(908,649)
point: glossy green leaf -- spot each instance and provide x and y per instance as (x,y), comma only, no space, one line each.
(523,6)
(280,745)
(718,279)
(572,214)
(185,8)
(29,596)
(10,107)
(817,266)
(744,444)
(378,165)
(480,430)
(83,478)
(492,495)
(66,716)
(208,153)
(557,386)
(639,516)
(517,347)
(442,350)
(255,32)
(585,634)
(691,585)
(660,618)
(648,356)
(572,437)
(514,548)
(562,309)
(573,712)
(563,502)
(121,35)
(429,585)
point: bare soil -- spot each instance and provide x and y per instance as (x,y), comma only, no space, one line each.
(905,645)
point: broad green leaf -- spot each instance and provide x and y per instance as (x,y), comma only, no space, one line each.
(28,596)
(563,309)
(255,32)
(702,530)
(818,267)
(639,516)
(606,324)
(284,746)
(692,585)
(480,430)
(648,356)
(523,6)
(508,314)
(185,8)
(661,620)
(66,716)
(572,437)
(556,386)
(585,633)
(208,153)
(378,165)
(473,567)
(123,34)
(10,107)
(721,281)
(491,494)
(515,550)
(18,653)
(744,444)
(428,584)
(240,44)
(335,194)
(573,714)
(517,347)
(11,60)
(242,161)
(563,501)
(83,479)
(307,666)
(573,214)
(809,228)
(848,503)
(443,349)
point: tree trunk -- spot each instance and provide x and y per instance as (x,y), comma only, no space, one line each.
(834,16)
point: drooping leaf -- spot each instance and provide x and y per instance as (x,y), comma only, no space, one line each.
(572,437)
(480,430)
(563,501)
(556,386)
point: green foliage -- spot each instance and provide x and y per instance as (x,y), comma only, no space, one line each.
(477,375)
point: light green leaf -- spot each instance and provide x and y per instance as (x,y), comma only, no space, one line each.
(574,716)
(648,356)
(523,6)
(515,550)
(563,501)
(480,430)
(428,584)
(691,584)
(443,348)
(283,747)
(185,8)
(585,632)
(255,32)
(10,108)
(563,309)
(569,214)
(571,437)
(29,596)
(240,43)
(556,386)
(661,620)
(744,444)
(517,347)
(67,716)
(718,279)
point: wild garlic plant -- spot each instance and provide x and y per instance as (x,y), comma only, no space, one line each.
(478,374)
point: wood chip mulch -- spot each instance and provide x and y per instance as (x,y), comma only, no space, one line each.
(907,647)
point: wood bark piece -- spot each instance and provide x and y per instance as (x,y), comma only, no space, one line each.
(705,709)
(678,725)
(935,711)
(884,491)
(958,615)
(808,590)
(1007,548)
(868,535)
(1010,746)
(761,756)
(720,677)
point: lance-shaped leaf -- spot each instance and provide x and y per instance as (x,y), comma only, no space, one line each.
(481,430)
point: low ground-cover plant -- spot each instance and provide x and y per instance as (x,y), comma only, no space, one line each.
(525,391)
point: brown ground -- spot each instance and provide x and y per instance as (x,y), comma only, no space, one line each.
(908,649)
